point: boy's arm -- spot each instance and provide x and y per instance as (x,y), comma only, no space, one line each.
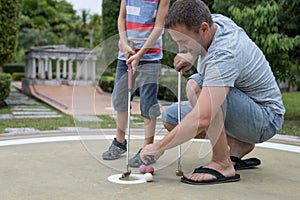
(156,32)
(122,30)
(158,27)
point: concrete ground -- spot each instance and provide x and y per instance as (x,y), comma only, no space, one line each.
(68,165)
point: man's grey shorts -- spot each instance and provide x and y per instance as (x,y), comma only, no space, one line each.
(245,120)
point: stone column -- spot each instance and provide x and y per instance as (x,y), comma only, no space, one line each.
(64,68)
(78,69)
(70,71)
(33,68)
(50,69)
(41,68)
(93,71)
(27,67)
(85,70)
(58,69)
(46,63)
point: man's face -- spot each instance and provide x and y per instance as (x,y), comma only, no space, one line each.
(187,40)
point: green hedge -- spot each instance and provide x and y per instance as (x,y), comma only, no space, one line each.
(13,67)
(16,70)
(106,83)
(18,76)
(5,80)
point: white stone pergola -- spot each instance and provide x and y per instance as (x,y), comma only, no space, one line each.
(71,66)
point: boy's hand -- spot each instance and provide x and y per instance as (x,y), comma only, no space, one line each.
(128,51)
(134,60)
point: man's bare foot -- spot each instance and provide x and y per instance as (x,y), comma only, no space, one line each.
(225,168)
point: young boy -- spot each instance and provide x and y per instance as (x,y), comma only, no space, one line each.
(140,26)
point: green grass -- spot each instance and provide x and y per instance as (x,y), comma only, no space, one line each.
(291,124)
(40,124)
(291,102)
(64,121)
(5,110)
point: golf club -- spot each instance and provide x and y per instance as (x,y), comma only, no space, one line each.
(179,171)
(128,171)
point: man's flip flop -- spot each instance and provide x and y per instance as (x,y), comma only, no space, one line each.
(220,178)
(244,164)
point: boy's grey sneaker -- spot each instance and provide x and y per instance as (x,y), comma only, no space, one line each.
(115,150)
(136,160)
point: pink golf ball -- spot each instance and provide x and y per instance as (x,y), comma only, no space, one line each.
(150,170)
(142,168)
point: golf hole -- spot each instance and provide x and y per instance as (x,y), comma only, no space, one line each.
(132,179)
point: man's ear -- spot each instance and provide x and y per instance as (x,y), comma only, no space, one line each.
(204,27)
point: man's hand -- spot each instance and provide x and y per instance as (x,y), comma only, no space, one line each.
(151,150)
(183,62)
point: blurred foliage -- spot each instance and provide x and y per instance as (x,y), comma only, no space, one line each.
(55,22)
(110,12)
(9,18)
(4,86)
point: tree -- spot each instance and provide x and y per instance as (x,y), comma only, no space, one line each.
(9,17)
(110,13)
(271,27)
(95,22)
(289,25)
(91,24)
(49,22)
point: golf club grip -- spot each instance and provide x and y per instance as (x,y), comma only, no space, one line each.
(129,70)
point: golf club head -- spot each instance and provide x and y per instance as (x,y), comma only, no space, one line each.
(126,174)
(179,173)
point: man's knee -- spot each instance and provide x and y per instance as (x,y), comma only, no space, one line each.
(169,126)
(192,90)
(201,135)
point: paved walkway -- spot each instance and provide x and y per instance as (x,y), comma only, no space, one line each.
(23,106)
(76,100)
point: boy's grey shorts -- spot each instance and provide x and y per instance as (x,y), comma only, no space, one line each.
(146,77)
